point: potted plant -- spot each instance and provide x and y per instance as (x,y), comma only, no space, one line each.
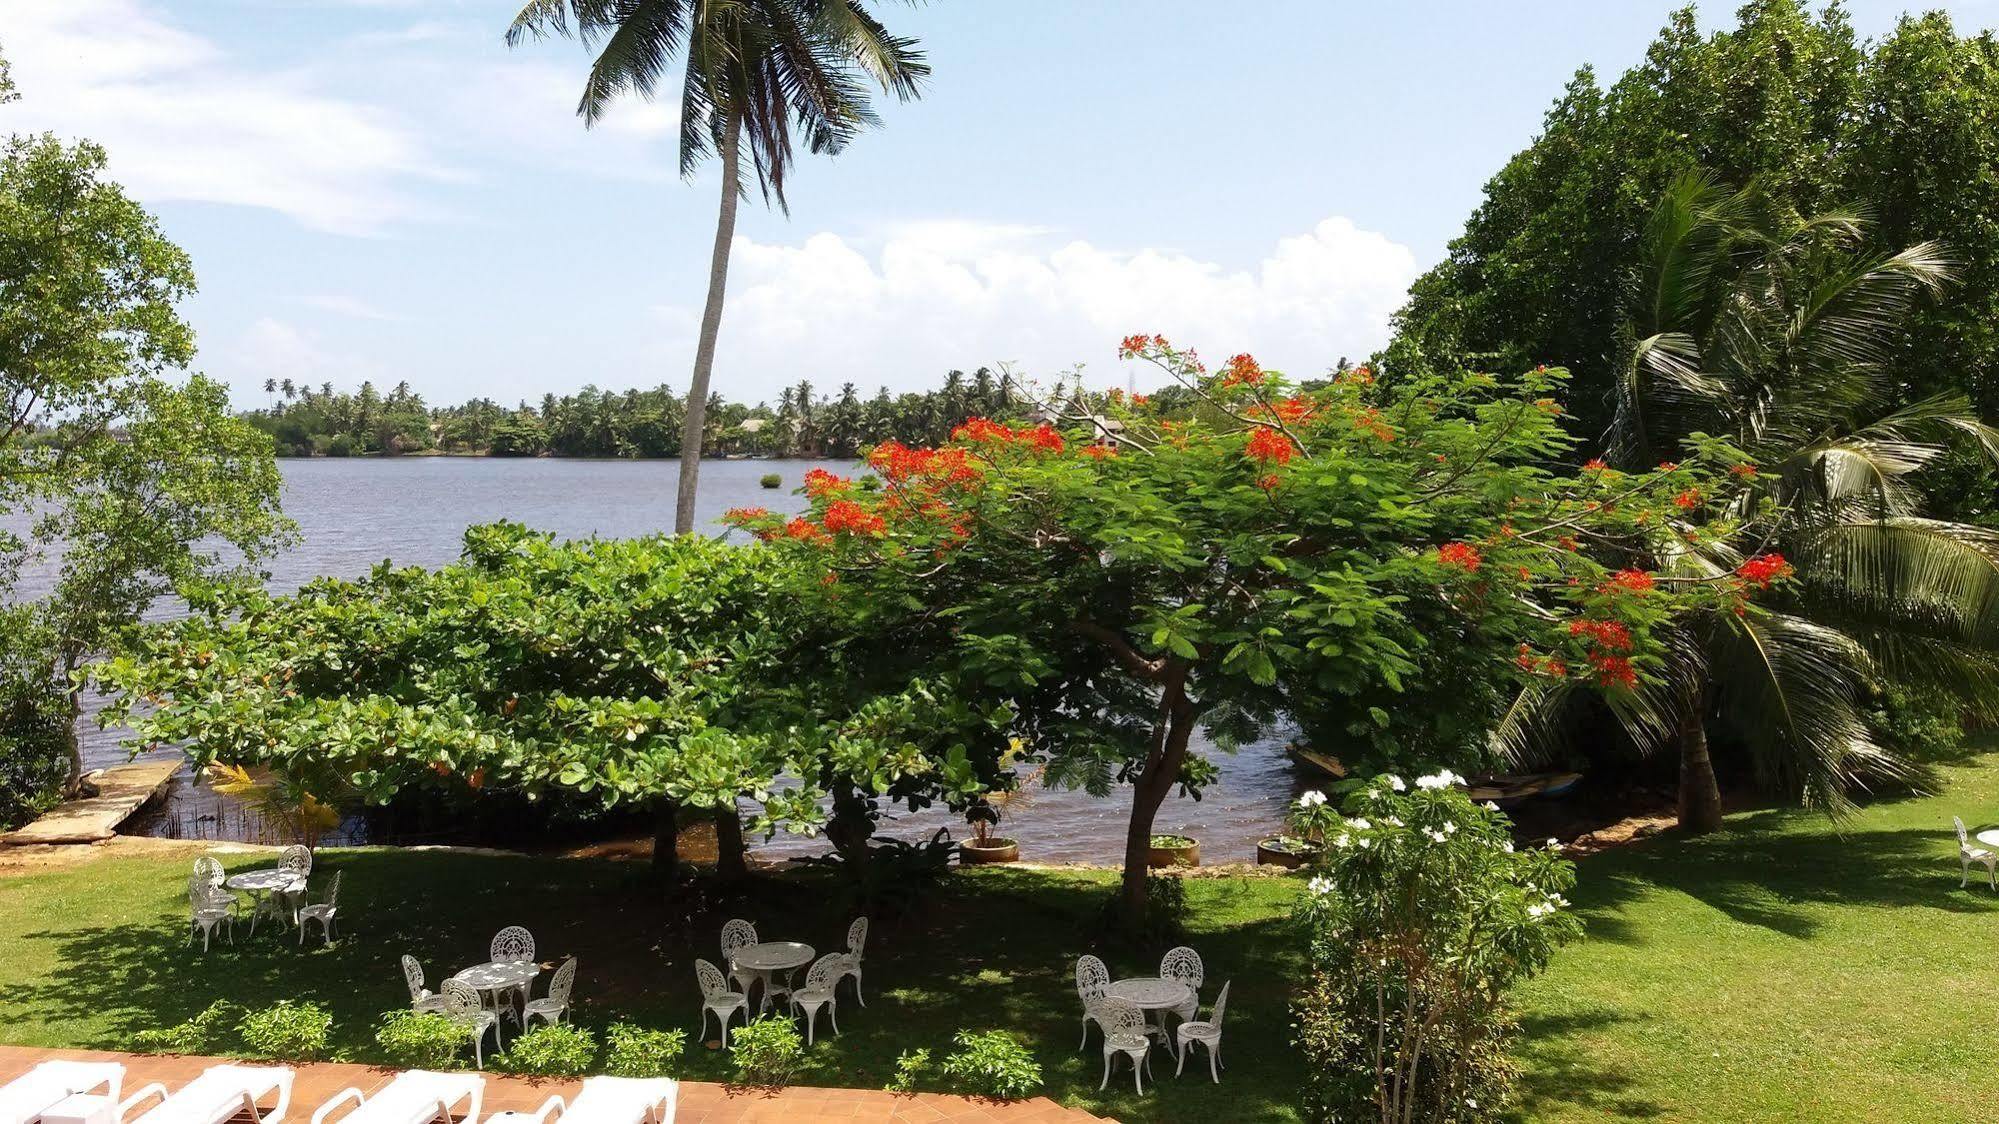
(1287,851)
(984,846)
(1174,850)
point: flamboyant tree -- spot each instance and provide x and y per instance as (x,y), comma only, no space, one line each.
(1386,563)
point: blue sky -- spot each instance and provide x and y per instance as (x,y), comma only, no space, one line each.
(381,189)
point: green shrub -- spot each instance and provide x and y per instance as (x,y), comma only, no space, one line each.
(635,1051)
(768,1052)
(550,1050)
(910,1066)
(34,720)
(1922,725)
(771,480)
(421,1039)
(992,1063)
(198,1035)
(287,1031)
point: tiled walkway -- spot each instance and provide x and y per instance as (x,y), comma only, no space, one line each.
(699,1103)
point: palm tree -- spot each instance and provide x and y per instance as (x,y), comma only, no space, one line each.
(756,70)
(1777,337)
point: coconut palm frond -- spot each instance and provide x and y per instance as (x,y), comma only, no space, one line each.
(1793,689)
(1530,731)
(1867,475)
(1938,576)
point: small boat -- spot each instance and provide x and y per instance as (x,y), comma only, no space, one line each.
(1325,763)
(1510,789)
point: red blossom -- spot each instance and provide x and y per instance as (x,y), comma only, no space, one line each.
(1688,500)
(1141,399)
(804,530)
(819,482)
(1568,543)
(1669,466)
(1268,446)
(1268,481)
(1763,569)
(745,514)
(1043,436)
(1134,345)
(984,431)
(1462,555)
(1606,635)
(1614,671)
(848,516)
(1629,581)
(1594,464)
(1746,471)
(1369,421)
(1242,369)
(1098,452)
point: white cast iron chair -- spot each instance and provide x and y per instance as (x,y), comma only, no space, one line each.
(323,912)
(820,982)
(857,941)
(717,996)
(1208,1032)
(421,997)
(1968,854)
(1124,1036)
(461,1002)
(1093,985)
(554,1007)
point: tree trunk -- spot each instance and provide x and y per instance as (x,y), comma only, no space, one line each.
(1162,768)
(75,786)
(1700,796)
(851,826)
(666,842)
(731,856)
(695,426)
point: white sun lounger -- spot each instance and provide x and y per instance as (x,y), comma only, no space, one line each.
(606,1100)
(415,1097)
(50,1083)
(218,1094)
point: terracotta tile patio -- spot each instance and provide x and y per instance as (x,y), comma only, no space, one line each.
(700,1103)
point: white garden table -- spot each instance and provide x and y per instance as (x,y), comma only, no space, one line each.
(258,883)
(1153,995)
(1990,837)
(770,958)
(497,976)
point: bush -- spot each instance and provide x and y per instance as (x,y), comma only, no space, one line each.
(910,1066)
(287,1031)
(1422,899)
(198,1035)
(992,1063)
(771,480)
(768,1052)
(421,1039)
(1924,726)
(635,1051)
(550,1050)
(34,720)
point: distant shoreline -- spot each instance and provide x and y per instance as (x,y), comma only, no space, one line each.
(426,453)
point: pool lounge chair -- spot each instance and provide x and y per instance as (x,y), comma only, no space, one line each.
(216,1096)
(605,1100)
(415,1097)
(50,1083)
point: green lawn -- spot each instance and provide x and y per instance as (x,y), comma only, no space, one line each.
(1782,970)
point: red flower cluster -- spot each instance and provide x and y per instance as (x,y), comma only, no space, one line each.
(1763,569)
(804,530)
(1669,466)
(1242,369)
(1290,411)
(1141,400)
(1098,452)
(819,482)
(1043,436)
(745,514)
(985,431)
(1746,471)
(1268,446)
(1359,376)
(850,517)
(1138,344)
(1369,421)
(1609,636)
(1551,666)
(1688,500)
(898,463)
(1462,555)
(1629,581)
(1614,671)
(1268,481)
(1594,464)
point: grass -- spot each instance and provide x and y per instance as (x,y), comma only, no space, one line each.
(1784,969)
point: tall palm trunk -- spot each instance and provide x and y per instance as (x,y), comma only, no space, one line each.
(1700,796)
(696,424)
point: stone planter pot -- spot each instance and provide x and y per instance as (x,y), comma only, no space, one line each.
(970,853)
(1186,853)
(1274,852)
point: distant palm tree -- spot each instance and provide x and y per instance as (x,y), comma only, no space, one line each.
(271,390)
(755,70)
(1777,337)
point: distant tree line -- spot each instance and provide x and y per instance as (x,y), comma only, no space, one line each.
(322,421)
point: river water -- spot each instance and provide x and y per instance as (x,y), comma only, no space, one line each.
(354,513)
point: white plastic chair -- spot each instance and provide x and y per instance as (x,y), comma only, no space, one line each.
(1124,1036)
(857,940)
(606,1100)
(206,908)
(717,996)
(323,912)
(28,1096)
(461,1002)
(219,1094)
(820,983)
(1093,985)
(1208,1032)
(416,1097)
(737,935)
(1968,854)
(554,1007)
(1184,964)
(421,997)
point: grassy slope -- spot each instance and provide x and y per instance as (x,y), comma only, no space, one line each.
(1782,970)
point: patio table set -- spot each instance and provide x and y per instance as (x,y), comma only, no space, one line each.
(1132,1014)
(769,969)
(484,995)
(217,899)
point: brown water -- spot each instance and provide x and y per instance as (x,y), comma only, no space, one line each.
(353,514)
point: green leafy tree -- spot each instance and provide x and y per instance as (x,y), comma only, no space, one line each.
(1398,556)
(755,72)
(1782,337)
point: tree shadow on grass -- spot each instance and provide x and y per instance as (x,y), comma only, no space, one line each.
(1759,874)
(1564,1074)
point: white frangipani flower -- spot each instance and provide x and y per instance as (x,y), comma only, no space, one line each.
(1359,823)
(1320,887)
(1491,807)
(1312,799)
(1394,782)
(1442,778)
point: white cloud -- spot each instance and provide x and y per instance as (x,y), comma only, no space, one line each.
(933,296)
(277,349)
(182,119)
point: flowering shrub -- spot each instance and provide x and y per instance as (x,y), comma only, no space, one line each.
(1421,915)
